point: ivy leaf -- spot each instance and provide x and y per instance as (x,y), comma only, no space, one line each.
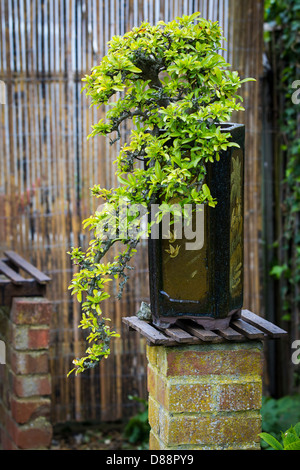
(277,271)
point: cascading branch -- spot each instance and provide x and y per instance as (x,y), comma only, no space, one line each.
(171,83)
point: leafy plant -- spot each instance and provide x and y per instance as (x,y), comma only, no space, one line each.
(290,439)
(137,429)
(170,84)
(278,414)
(284,16)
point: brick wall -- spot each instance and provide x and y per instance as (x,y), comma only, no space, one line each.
(205,396)
(25,382)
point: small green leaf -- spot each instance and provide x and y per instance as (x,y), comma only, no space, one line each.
(133,68)
(277,271)
(206,190)
(69,373)
(248,80)
(271,440)
(158,172)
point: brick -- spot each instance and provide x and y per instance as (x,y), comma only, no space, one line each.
(28,386)
(186,362)
(37,434)
(30,362)
(240,396)
(24,410)
(19,339)
(153,414)
(184,429)
(209,429)
(154,443)
(162,391)
(30,337)
(31,311)
(190,398)
(2,413)
(151,380)
(38,338)
(6,442)
(180,395)
(239,429)
(152,352)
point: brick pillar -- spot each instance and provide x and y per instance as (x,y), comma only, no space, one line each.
(26,383)
(205,396)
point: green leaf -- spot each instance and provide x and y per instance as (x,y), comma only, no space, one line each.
(271,440)
(293,445)
(118,87)
(133,68)
(122,180)
(289,437)
(277,271)
(297,429)
(248,80)
(206,190)
(158,172)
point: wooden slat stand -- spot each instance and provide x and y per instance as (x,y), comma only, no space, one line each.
(205,387)
(248,327)
(13,284)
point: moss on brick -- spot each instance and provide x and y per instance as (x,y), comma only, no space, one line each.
(205,396)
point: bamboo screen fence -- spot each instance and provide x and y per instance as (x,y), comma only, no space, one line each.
(48,166)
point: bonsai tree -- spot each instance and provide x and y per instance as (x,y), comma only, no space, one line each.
(171,84)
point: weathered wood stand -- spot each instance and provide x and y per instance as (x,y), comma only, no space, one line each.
(205,387)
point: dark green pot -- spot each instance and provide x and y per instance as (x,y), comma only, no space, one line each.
(205,284)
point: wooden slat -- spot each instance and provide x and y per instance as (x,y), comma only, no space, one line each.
(149,332)
(188,332)
(246,329)
(10,273)
(196,330)
(32,270)
(264,325)
(180,335)
(230,334)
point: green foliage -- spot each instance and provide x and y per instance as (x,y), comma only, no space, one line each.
(170,85)
(137,429)
(290,439)
(278,414)
(284,17)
